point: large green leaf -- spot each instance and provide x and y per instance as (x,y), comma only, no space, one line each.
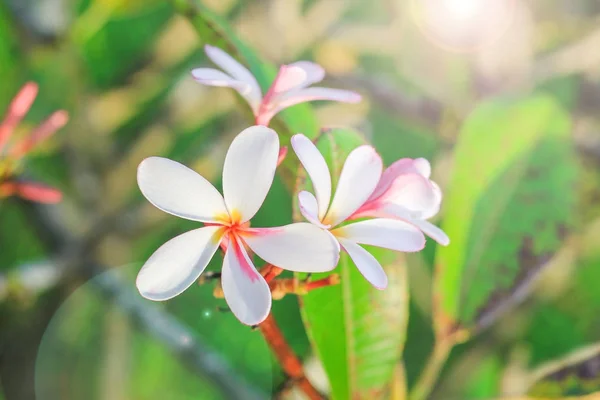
(577,374)
(215,31)
(357,330)
(508,207)
(10,68)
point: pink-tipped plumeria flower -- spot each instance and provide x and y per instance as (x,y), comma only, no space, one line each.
(359,178)
(247,177)
(406,192)
(11,156)
(291,86)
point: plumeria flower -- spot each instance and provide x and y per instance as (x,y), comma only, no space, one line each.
(248,173)
(405,191)
(358,180)
(291,86)
(11,156)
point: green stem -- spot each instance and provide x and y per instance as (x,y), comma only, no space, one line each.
(432,370)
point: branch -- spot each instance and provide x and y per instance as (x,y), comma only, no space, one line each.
(286,357)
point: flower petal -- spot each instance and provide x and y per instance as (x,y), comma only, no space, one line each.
(214,77)
(289,77)
(300,247)
(309,208)
(432,231)
(427,227)
(316,168)
(402,166)
(178,263)
(314,72)
(247,293)
(17,109)
(176,189)
(368,265)
(249,170)
(358,179)
(415,193)
(46,129)
(237,71)
(293,97)
(383,232)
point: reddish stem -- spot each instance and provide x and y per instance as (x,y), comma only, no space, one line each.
(289,362)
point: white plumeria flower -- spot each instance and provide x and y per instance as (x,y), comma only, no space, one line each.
(405,191)
(247,177)
(289,88)
(359,177)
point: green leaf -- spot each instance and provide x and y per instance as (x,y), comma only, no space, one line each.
(577,374)
(509,206)
(112,47)
(10,68)
(357,330)
(215,31)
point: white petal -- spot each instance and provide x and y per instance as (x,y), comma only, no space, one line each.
(214,77)
(359,177)
(368,265)
(314,72)
(414,193)
(246,291)
(432,231)
(316,168)
(178,263)
(427,227)
(178,190)
(383,232)
(300,247)
(399,167)
(288,77)
(436,204)
(249,170)
(423,166)
(293,97)
(309,209)
(238,72)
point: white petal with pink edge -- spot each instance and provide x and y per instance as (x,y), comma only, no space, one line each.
(383,232)
(309,208)
(427,227)
(247,293)
(300,247)
(249,169)
(314,72)
(316,168)
(214,77)
(402,166)
(359,177)
(294,97)
(178,263)
(178,190)
(368,265)
(288,77)
(414,193)
(238,72)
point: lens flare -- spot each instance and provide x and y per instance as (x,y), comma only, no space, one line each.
(463,25)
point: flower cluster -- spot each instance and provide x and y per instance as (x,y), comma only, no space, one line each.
(393,205)
(11,156)
(290,87)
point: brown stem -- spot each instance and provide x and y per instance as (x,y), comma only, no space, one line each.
(285,355)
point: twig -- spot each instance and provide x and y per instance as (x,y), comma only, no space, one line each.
(286,357)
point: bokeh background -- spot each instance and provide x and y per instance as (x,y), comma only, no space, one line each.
(71,330)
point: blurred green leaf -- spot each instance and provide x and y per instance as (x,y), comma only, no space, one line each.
(10,68)
(15,229)
(113,47)
(510,205)
(357,330)
(577,374)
